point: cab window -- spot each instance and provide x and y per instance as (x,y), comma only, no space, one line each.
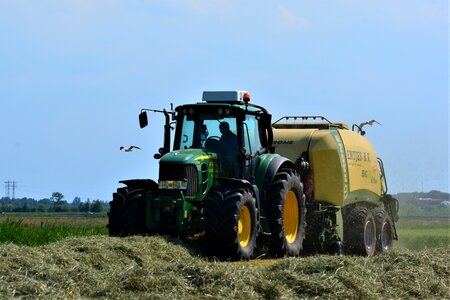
(252,142)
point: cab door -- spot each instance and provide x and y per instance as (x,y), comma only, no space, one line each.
(252,144)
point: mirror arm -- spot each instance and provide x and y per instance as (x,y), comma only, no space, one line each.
(166,132)
(143,121)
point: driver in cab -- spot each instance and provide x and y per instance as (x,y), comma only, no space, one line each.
(228,149)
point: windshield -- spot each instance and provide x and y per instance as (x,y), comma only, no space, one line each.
(203,131)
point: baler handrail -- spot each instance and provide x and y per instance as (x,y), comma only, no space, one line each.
(303,118)
(382,174)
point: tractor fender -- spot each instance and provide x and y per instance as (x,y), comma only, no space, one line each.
(240,183)
(269,168)
(146,184)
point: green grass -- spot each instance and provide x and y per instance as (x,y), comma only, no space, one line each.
(409,211)
(20,233)
(423,237)
(423,228)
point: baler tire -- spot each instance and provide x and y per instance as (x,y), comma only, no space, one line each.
(115,213)
(133,221)
(384,229)
(360,232)
(286,214)
(231,224)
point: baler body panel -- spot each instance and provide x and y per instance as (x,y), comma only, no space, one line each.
(343,163)
(363,168)
(329,167)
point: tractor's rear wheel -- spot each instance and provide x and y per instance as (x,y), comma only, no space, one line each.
(231,223)
(384,229)
(359,232)
(127,212)
(286,214)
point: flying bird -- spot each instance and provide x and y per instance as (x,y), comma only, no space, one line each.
(368,123)
(371,122)
(129,149)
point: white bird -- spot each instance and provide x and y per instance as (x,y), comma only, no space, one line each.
(129,149)
(368,123)
(360,127)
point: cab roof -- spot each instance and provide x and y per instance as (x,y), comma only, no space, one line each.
(234,99)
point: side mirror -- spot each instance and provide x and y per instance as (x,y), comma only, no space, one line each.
(143,120)
(160,153)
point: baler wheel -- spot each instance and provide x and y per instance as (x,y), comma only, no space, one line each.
(286,214)
(360,232)
(231,223)
(385,231)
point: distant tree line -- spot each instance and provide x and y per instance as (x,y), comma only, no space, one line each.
(425,200)
(431,195)
(55,203)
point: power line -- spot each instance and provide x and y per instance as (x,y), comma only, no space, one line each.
(10,186)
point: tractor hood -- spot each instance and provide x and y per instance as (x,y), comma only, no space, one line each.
(189,156)
(189,169)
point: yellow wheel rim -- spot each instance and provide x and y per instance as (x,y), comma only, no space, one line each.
(291,217)
(244,226)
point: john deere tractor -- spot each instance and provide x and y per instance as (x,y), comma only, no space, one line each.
(221,180)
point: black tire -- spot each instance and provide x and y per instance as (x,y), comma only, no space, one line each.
(127,212)
(384,229)
(231,224)
(359,232)
(286,214)
(115,213)
(134,213)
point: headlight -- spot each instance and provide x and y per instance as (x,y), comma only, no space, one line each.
(172,185)
(163,185)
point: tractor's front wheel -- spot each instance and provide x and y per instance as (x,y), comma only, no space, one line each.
(134,213)
(127,212)
(286,214)
(231,223)
(115,213)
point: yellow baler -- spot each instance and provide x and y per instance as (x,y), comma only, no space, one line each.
(343,174)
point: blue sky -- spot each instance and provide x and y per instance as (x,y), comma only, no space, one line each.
(75,74)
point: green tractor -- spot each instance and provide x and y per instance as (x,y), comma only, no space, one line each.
(221,180)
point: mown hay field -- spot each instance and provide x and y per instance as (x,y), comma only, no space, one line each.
(161,268)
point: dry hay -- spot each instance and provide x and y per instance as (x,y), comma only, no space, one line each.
(160,268)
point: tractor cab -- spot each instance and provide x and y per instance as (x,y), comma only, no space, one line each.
(226,124)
